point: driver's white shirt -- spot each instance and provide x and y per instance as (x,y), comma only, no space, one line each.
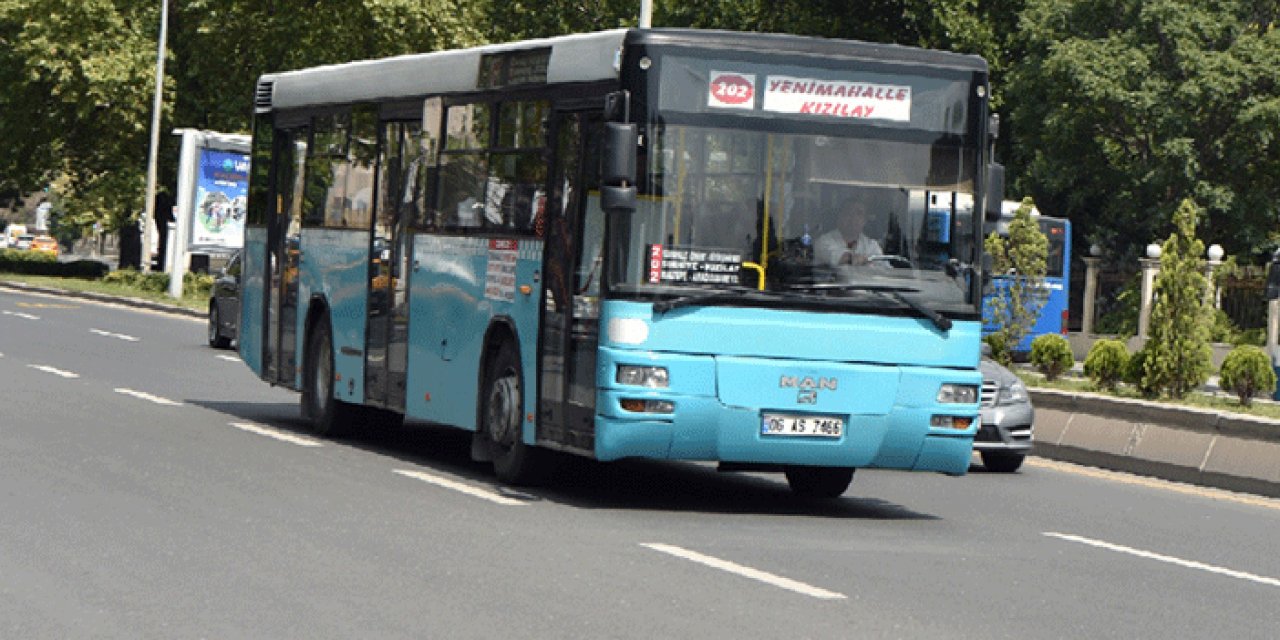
(831,246)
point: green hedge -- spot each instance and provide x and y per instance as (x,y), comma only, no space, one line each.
(35,263)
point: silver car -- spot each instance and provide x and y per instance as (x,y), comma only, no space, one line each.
(1004,439)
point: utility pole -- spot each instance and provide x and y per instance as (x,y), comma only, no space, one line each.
(149,215)
(646,14)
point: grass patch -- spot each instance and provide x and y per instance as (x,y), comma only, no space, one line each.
(192,298)
(1217,401)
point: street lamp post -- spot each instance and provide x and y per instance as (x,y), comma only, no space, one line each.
(149,214)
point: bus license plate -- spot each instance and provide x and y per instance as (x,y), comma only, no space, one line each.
(782,424)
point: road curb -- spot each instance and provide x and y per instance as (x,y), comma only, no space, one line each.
(102,297)
(1184,444)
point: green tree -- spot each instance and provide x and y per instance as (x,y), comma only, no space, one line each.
(1017,298)
(1179,358)
(1122,109)
(76,75)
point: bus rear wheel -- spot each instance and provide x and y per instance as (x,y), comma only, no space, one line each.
(329,416)
(819,482)
(502,413)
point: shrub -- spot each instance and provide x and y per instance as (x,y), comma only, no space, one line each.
(1106,363)
(1051,354)
(153,282)
(1000,352)
(1135,372)
(197,284)
(34,263)
(1247,372)
(1179,357)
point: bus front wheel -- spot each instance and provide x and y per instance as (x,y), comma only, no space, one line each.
(502,422)
(819,482)
(329,416)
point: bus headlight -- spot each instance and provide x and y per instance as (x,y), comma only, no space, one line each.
(958,394)
(652,377)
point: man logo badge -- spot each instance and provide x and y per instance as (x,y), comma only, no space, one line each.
(807,387)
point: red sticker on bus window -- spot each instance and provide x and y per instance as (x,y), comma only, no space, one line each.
(732,90)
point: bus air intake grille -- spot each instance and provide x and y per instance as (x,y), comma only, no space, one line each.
(262,98)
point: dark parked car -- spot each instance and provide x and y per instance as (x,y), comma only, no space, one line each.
(224,305)
(1004,439)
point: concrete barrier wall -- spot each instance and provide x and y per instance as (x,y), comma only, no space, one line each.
(1185,444)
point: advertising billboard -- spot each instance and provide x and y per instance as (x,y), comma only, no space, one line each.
(222,188)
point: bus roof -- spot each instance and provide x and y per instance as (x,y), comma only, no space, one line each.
(585,57)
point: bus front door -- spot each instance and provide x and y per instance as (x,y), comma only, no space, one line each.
(570,307)
(281,348)
(386,349)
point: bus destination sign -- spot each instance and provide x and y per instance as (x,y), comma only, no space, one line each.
(811,96)
(692,265)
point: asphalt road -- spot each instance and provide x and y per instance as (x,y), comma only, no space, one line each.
(151,487)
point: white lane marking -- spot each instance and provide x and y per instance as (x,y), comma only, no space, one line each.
(17,314)
(1155,483)
(148,397)
(1190,564)
(228,358)
(56,372)
(118,336)
(746,572)
(458,486)
(272,433)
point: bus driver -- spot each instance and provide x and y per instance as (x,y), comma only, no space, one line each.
(846,244)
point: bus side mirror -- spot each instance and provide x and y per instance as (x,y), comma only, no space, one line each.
(618,167)
(994,197)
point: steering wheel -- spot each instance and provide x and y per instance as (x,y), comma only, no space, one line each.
(895,261)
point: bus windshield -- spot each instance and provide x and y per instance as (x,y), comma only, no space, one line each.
(817,180)
(736,207)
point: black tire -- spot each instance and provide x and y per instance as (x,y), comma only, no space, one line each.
(1002,462)
(502,423)
(819,482)
(216,339)
(329,416)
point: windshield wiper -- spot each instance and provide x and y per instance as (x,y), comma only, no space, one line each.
(940,321)
(702,297)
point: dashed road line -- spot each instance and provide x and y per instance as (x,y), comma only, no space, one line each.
(118,336)
(228,358)
(474,492)
(744,571)
(273,433)
(1151,555)
(54,371)
(19,314)
(148,397)
(1156,483)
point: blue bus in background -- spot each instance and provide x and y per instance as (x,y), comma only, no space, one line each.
(1053,315)
(603,244)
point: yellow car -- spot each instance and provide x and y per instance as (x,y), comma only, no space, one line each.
(45,244)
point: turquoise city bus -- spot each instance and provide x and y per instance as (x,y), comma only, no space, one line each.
(606,244)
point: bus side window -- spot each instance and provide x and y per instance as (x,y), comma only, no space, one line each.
(464,166)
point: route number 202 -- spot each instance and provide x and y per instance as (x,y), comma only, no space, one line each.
(731,90)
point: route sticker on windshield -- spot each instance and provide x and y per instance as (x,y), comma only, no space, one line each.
(693,265)
(837,98)
(730,90)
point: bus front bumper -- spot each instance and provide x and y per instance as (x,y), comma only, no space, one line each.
(703,428)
